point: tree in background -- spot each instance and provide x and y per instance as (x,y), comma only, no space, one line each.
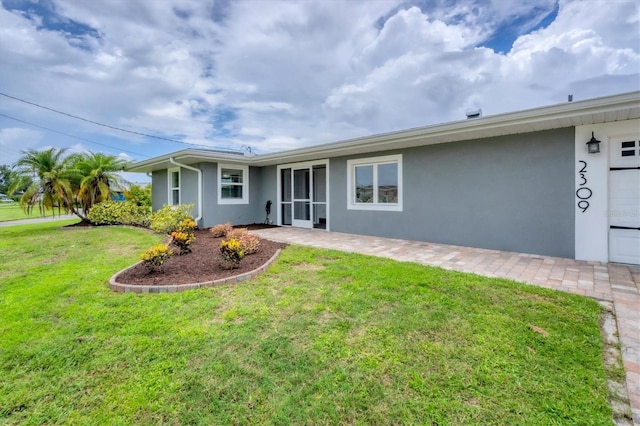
(139,194)
(96,178)
(47,177)
(72,184)
(5,178)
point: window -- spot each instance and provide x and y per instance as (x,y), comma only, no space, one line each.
(174,186)
(233,184)
(375,183)
(628,149)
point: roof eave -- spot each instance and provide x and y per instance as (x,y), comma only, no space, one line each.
(568,114)
(509,123)
(188,156)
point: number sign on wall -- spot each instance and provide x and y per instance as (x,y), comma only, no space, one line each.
(583,193)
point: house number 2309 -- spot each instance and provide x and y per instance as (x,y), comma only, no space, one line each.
(583,193)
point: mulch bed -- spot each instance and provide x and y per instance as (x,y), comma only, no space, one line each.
(201,265)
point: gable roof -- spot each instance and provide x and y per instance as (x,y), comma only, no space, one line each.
(569,114)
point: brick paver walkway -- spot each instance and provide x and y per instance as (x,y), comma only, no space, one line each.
(616,283)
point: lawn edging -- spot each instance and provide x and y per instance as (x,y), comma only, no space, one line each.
(174,288)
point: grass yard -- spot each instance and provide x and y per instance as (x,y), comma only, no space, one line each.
(13,211)
(323,338)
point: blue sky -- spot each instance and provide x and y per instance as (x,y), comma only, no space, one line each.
(274,75)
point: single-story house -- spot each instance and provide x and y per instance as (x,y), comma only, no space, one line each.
(562,180)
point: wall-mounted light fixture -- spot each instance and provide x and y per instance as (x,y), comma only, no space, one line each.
(593,146)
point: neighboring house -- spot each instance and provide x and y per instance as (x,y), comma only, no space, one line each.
(118,196)
(521,181)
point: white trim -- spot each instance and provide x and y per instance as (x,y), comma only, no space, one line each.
(199,173)
(279,167)
(373,161)
(592,225)
(245,184)
(171,188)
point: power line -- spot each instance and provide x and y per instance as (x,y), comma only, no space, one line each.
(102,124)
(73,136)
(8,148)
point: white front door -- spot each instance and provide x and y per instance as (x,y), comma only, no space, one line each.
(624,200)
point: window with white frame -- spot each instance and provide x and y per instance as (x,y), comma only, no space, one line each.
(375,183)
(174,186)
(233,184)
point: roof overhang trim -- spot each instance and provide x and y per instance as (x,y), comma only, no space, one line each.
(570,114)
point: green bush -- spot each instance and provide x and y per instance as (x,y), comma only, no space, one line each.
(169,218)
(118,213)
(140,195)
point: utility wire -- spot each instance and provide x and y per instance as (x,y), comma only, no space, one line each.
(72,136)
(102,124)
(7,148)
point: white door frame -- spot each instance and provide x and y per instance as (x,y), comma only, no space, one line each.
(306,201)
(297,166)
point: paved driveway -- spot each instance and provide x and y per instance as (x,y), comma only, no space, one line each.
(38,219)
(611,282)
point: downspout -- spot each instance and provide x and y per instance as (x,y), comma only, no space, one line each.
(199,172)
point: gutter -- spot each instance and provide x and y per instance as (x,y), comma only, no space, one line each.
(199,172)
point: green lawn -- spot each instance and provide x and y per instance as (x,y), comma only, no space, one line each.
(13,211)
(323,338)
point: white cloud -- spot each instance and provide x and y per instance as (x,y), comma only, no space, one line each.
(14,140)
(282,74)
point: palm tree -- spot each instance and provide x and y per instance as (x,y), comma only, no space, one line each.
(96,177)
(47,176)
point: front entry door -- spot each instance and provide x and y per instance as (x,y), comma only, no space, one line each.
(302,198)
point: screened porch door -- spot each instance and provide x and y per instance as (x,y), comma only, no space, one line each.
(303,200)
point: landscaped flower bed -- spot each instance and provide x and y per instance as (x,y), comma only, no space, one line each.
(201,265)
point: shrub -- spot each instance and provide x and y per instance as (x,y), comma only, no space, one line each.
(221,230)
(184,236)
(249,242)
(231,252)
(118,213)
(236,232)
(139,195)
(183,241)
(187,225)
(155,257)
(169,218)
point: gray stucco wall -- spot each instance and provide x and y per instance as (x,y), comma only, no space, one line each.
(159,189)
(268,190)
(237,214)
(189,188)
(509,193)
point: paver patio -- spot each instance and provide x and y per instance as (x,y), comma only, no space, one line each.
(611,282)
